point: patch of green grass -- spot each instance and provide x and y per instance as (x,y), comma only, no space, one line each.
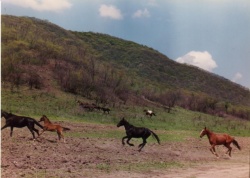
(174,126)
(104,167)
(148,166)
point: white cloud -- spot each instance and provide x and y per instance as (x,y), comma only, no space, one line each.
(42,5)
(200,59)
(141,13)
(110,11)
(152,3)
(237,77)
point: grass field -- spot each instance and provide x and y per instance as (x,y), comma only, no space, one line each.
(60,106)
(93,146)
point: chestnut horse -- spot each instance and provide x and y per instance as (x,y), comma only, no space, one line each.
(219,139)
(48,126)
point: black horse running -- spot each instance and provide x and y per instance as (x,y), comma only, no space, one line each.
(19,122)
(136,132)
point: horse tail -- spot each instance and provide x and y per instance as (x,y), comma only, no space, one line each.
(155,136)
(65,128)
(236,144)
(38,124)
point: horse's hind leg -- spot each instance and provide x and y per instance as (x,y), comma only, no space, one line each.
(60,135)
(229,149)
(142,144)
(32,132)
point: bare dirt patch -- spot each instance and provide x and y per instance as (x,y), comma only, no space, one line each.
(90,156)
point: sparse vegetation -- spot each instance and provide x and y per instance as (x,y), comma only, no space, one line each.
(46,70)
(110,71)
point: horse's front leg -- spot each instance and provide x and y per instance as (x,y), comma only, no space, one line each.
(212,149)
(41,133)
(11,131)
(124,139)
(4,126)
(129,138)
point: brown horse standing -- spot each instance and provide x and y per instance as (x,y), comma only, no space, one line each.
(219,139)
(48,126)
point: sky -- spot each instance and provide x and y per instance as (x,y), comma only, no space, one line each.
(211,34)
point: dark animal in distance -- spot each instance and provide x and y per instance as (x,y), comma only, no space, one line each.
(105,110)
(219,139)
(92,107)
(48,126)
(19,122)
(149,113)
(89,107)
(136,132)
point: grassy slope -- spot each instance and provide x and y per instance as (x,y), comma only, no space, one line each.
(62,106)
(171,126)
(33,42)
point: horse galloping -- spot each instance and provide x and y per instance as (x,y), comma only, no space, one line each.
(136,132)
(48,126)
(19,122)
(219,139)
(149,113)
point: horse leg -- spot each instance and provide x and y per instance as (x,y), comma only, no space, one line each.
(11,131)
(32,132)
(130,144)
(37,131)
(4,126)
(212,149)
(41,133)
(142,144)
(124,139)
(59,135)
(34,129)
(229,149)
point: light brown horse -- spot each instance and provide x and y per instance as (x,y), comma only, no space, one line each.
(219,139)
(48,126)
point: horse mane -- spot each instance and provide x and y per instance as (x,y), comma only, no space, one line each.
(6,115)
(47,119)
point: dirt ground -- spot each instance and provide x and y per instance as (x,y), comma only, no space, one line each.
(82,156)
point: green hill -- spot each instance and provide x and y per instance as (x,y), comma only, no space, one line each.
(108,70)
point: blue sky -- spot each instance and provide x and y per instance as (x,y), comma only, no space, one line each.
(211,34)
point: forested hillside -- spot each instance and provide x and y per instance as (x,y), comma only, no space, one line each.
(109,70)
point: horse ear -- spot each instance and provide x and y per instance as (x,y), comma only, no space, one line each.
(205,128)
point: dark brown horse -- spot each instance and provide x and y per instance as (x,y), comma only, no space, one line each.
(219,139)
(19,122)
(48,126)
(136,132)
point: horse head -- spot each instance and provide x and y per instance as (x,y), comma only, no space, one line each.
(203,132)
(43,118)
(122,122)
(5,114)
